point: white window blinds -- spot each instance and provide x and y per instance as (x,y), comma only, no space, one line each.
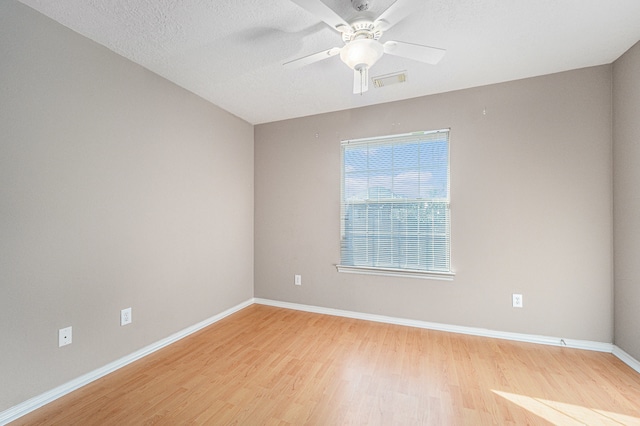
(395,203)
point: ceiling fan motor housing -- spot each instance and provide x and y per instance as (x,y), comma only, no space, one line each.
(361,29)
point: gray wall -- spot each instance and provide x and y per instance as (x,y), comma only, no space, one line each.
(531,185)
(626,150)
(117,189)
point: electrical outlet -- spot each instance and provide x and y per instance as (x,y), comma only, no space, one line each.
(297,279)
(517,300)
(64,336)
(125,316)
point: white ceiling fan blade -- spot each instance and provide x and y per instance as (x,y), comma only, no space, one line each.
(395,13)
(360,80)
(417,52)
(325,13)
(309,59)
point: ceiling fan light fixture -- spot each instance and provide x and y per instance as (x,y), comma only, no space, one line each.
(361,53)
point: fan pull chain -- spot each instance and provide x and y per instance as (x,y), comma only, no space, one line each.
(361,80)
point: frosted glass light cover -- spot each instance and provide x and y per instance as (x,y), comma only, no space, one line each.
(361,52)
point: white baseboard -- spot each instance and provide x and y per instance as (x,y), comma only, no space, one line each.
(36,402)
(626,358)
(531,338)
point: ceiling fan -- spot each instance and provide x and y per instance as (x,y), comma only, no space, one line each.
(362,48)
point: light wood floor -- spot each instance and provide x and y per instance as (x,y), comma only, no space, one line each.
(266,365)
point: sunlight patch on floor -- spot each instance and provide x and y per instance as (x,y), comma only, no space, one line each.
(561,413)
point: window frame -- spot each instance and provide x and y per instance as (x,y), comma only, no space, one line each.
(390,141)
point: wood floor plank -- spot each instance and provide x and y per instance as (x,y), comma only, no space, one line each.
(273,366)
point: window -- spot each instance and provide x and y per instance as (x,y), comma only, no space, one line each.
(394,210)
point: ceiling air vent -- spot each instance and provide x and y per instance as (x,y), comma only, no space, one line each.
(389,79)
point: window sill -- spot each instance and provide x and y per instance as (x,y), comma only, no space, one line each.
(390,272)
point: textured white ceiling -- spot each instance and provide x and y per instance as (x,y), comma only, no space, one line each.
(231,52)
